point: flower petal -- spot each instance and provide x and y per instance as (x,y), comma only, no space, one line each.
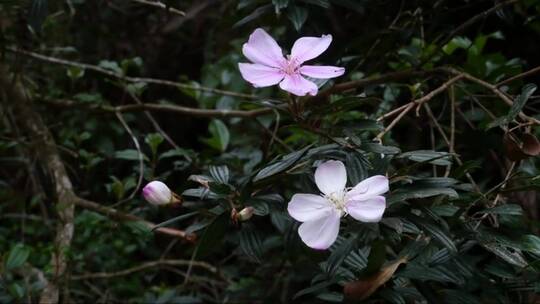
(321,71)
(370,211)
(260,75)
(157,193)
(298,85)
(309,207)
(370,187)
(321,233)
(307,48)
(331,177)
(263,49)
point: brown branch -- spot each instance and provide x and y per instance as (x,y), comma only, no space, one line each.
(154,107)
(389,77)
(120,216)
(417,102)
(119,76)
(144,266)
(161,5)
(494,89)
(518,76)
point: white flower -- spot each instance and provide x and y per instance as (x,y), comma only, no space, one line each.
(157,193)
(245,214)
(321,214)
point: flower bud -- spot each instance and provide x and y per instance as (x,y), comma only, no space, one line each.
(157,193)
(245,214)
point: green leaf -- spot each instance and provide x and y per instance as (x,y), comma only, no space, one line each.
(16,290)
(139,227)
(335,297)
(435,231)
(415,193)
(281,165)
(508,209)
(153,140)
(314,288)
(455,43)
(531,243)
(213,235)
(356,169)
(429,273)
(519,103)
(338,255)
(17,256)
(298,16)
(428,156)
(250,242)
(376,258)
(254,15)
(111,66)
(280,4)
(513,256)
(321,3)
(378,148)
(175,219)
(220,174)
(220,135)
(128,154)
(75,72)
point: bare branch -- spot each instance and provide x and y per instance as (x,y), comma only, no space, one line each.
(144,266)
(161,5)
(494,89)
(161,108)
(120,216)
(519,76)
(417,102)
(112,74)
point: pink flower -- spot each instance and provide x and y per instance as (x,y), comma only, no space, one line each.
(157,193)
(269,67)
(321,214)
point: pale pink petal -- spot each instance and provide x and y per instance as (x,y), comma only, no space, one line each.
(309,207)
(331,177)
(321,71)
(307,48)
(157,193)
(321,233)
(370,187)
(298,85)
(370,211)
(260,75)
(263,49)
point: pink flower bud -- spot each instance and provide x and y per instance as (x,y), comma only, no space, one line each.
(245,214)
(157,193)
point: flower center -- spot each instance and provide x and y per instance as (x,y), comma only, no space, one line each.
(290,66)
(338,200)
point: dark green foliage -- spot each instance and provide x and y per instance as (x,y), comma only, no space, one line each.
(460,214)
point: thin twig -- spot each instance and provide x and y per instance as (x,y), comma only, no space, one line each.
(144,266)
(494,89)
(452,96)
(120,216)
(153,121)
(447,141)
(518,76)
(154,107)
(417,102)
(139,154)
(161,5)
(116,75)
